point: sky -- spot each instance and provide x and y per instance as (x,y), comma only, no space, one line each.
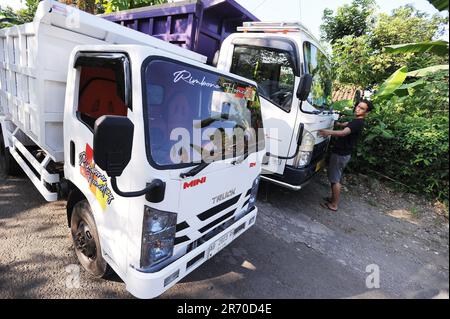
(310,12)
(307,11)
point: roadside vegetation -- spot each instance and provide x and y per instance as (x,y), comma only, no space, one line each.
(400,60)
(9,17)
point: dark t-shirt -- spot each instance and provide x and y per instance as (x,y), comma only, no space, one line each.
(345,145)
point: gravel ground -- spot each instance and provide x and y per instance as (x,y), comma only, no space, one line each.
(296,249)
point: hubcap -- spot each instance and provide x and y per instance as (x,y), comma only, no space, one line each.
(84,241)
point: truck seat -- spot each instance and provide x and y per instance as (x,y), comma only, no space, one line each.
(99,97)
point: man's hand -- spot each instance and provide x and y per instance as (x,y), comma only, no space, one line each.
(324,133)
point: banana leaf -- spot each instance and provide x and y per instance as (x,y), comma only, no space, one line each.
(439,4)
(393,82)
(438,47)
(425,71)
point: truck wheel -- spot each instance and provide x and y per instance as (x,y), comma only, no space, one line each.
(86,241)
(8,164)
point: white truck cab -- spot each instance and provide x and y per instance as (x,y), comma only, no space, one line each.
(276,55)
(127,128)
(157,221)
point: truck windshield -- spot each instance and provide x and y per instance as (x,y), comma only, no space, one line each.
(272,69)
(317,64)
(193,115)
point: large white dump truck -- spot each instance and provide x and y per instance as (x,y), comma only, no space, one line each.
(277,55)
(99,114)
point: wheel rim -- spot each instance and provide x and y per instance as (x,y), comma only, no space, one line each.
(84,241)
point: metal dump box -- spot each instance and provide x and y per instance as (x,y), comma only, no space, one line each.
(197,25)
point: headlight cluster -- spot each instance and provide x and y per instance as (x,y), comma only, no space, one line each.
(306,149)
(253,194)
(158,236)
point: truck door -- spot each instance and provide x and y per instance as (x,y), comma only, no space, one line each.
(99,89)
(273,65)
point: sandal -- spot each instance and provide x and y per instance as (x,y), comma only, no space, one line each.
(327,206)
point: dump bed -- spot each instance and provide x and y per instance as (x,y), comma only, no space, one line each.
(197,25)
(34,63)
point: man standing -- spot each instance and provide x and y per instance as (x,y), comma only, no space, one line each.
(342,150)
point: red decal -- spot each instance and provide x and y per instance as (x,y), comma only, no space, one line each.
(194,182)
(97,181)
(252,165)
(89,153)
(240,92)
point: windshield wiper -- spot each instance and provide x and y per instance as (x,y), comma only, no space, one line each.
(223,117)
(241,159)
(207,122)
(195,170)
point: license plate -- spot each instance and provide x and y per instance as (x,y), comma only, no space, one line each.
(320,165)
(219,244)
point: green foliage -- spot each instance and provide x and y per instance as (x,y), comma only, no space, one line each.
(415,212)
(393,82)
(86,5)
(351,56)
(353,19)
(404,25)
(119,5)
(343,105)
(439,4)
(9,17)
(426,71)
(363,60)
(407,137)
(436,47)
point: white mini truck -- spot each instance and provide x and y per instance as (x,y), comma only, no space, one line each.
(277,56)
(115,122)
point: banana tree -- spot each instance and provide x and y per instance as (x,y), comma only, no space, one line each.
(439,47)
(441,5)
(395,81)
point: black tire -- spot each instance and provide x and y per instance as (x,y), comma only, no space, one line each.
(86,241)
(8,164)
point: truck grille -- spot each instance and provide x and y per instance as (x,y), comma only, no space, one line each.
(219,208)
(182,226)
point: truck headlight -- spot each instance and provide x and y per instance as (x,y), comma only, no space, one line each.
(253,194)
(306,149)
(158,236)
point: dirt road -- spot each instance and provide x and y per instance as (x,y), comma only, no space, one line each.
(295,250)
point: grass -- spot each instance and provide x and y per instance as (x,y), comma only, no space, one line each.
(372,202)
(415,212)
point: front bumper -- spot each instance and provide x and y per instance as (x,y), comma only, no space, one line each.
(150,285)
(296,178)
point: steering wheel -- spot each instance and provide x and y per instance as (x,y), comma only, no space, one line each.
(281,97)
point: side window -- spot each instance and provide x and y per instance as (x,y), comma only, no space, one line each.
(99,93)
(317,64)
(272,69)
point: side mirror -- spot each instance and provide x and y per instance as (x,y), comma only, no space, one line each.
(304,87)
(113,140)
